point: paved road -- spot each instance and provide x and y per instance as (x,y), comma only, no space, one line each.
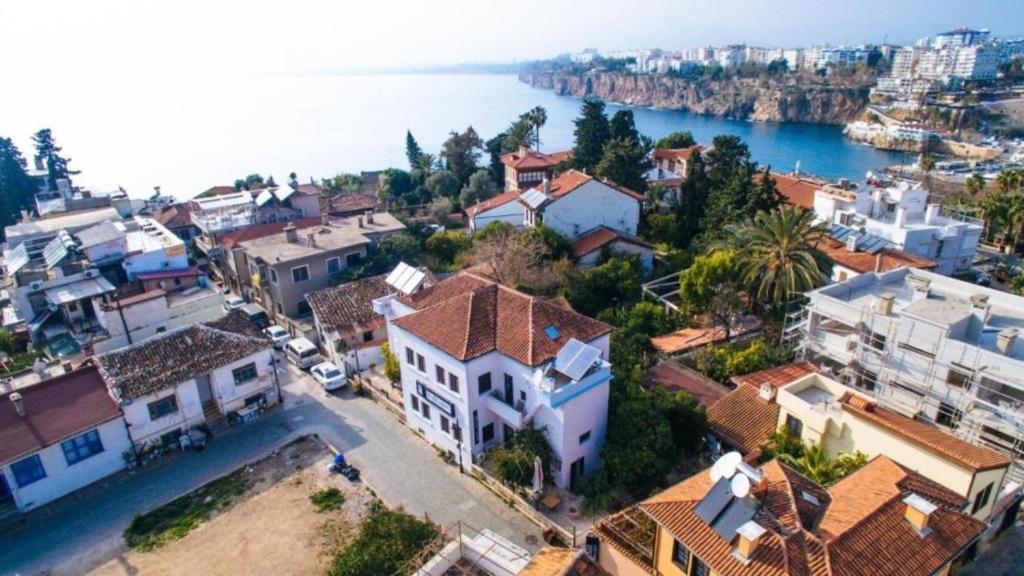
(84,529)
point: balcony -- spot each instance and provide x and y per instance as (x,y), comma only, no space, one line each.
(511,415)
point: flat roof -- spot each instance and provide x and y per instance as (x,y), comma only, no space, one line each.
(341,233)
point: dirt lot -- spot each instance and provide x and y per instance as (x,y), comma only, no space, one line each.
(274,529)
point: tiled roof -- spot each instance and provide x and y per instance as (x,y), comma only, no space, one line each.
(884,260)
(467,316)
(532,159)
(777,376)
(743,419)
(351,203)
(232,239)
(686,339)
(929,437)
(678,378)
(55,409)
(677,153)
(570,180)
(340,307)
(175,216)
(237,322)
(167,359)
(797,191)
(309,189)
(860,524)
(216,191)
(499,200)
(600,237)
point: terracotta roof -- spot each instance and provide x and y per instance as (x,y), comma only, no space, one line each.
(686,339)
(797,191)
(237,322)
(217,191)
(343,306)
(308,188)
(499,200)
(884,260)
(856,527)
(677,378)
(351,203)
(570,180)
(743,419)
(676,154)
(602,236)
(232,239)
(467,316)
(167,359)
(55,409)
(532,159)
(175,216)
(777,376)
(929,437)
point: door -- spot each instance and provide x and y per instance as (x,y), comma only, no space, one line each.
(576,471)
(509,399)
(205,392)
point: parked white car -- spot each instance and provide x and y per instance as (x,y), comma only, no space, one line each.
(329,376)
(278,335)
(233,303)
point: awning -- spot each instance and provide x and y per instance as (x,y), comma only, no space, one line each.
(85,288)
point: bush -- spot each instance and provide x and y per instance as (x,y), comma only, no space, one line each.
(387,540)
(327,499)
(512,462)
(392,370)
(447,245)
(721,363)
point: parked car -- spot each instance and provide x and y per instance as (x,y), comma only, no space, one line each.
(256,315)
(329,376)
(279,336)
(983,278)
(233,303)
(302,353)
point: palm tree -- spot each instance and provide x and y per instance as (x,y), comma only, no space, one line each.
(975,184)
(994,212)
(1015,219)
(778,253)
(1009,181)
(814,464)
(537,118)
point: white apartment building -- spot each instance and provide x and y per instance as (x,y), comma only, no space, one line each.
(575,203)
(928,347)
(901,215)
(480,361)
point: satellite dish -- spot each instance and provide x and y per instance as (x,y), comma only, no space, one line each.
(740,485)
(728,462)
(716,472)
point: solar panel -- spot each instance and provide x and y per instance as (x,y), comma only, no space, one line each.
(575,358)
(263,197)
(57,249)
(533,198)
(284,192)
(17,259)
(714,501)
(736,514)
(405,278)
(398,271)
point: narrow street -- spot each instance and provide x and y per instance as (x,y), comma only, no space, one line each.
(84,529)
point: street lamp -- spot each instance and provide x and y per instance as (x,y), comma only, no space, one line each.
(458,440)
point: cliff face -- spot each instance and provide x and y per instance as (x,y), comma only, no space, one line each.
(753,99)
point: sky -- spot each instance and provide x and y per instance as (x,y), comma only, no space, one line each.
(100,39)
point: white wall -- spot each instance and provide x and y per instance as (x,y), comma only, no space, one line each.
(62,478)
(231,396)
(189,414)
(513,213)
(587,412)
(589,206)
(619,247)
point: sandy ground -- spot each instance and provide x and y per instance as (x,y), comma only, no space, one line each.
(276,530)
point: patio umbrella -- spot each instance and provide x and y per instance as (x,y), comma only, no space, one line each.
(538,475)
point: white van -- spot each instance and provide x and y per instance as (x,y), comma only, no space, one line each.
(302,353)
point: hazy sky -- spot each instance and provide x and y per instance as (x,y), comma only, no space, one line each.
(90,39)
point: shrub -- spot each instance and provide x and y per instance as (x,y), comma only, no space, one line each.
(327,499)
(387,540)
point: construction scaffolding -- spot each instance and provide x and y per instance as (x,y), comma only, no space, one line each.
(462,550)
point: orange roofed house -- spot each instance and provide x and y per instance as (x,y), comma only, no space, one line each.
(526,168)
(733,520)
(670,168)
(575,203)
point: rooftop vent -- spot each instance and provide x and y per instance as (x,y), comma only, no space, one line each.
(918,513)
(766,392)
(884,306)
(19,403)
(749,534)
(1006,340)
(291,233)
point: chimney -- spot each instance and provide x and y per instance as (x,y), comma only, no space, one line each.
(918,512)
(369,216)
(921,286)
(291,233)
(546,187)
(885,302)
(311,240)
(19,404)
(878,261)
(767,392)
(1005,340)
(979,300)
(359,221)
(851,242)
(749,534)
(901,216)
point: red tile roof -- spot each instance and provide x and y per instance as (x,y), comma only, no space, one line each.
(55,409)
(216,191)
(686,339)
(602,236)
(778,376)
(883,261)
(499,200)
(570,180)
(349,304)
(676,154)
(531,159)
(351,204)
(175,216)
(309,189)
(797,191)
(232,239)
(467,316)
(743,419)
(677,378)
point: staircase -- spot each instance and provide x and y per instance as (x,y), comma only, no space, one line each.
(215,421)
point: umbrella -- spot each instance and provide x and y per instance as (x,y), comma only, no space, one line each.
(538,475)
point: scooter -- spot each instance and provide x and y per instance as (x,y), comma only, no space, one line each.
(340,466)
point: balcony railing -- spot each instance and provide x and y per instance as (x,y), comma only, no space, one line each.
(511,415)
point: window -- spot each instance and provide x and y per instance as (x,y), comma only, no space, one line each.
(794,425)
(302,308)
(453,382)
(368,336)
(948,415)
(877,341)
(439,374)
(446,426)
(28,470)
(72,306)
(426,410)
(273,276)
(82,447)
(700,568)
(353,259)
(300,274)
(484,384)
(244,374)
(333,265)
(476,428)
(280,310)
(584,437)
(488,433)
(163,407)
(415,404)
(867,380)
(958,379)
(981,499)
(681,556)
(421,363)
(409,356)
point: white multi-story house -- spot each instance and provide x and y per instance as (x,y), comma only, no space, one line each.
(480,361)
(575,203)
(901,215)
(926,346)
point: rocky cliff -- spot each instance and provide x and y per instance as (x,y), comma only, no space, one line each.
(752,99)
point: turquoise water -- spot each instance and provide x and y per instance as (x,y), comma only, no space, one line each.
(188,135)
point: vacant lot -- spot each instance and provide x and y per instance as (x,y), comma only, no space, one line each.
(262,521)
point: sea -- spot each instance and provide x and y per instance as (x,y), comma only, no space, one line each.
(186,135)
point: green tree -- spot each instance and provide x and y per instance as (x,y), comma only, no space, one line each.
(682,139)
(613,283)
(461,152)
(519,135)
(692,202)
(440,208)
(591,134)
(17,190)
(413,152)
(711,286)
(513,462)
(387,541)
(558,246)
(638,449)
(343,184)
(622,126)
(392,370)
(480,187)
(927,163)
(443,184)
(48,151)
(975,184)
(495,147)
(448,244)
(624,162)
(815,464)
(396,187)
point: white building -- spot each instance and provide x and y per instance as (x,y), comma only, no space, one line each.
(504,207)
(134,246)
(190,377)
(135,318)
(928,347)
(902,216)
(574,203)
(59,435)
(480,361)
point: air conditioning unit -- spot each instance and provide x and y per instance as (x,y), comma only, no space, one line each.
(92,273)
(36,286)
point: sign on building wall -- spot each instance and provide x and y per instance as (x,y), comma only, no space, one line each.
(432,397)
